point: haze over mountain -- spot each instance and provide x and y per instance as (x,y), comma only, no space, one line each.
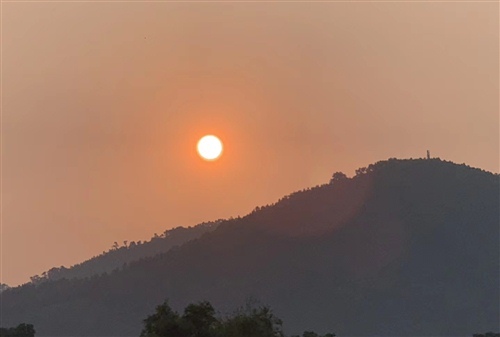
(120,255)
(405,247)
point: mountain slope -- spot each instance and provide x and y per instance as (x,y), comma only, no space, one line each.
(118,256)
(406,247)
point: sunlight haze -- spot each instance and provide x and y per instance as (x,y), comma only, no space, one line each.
(103,105)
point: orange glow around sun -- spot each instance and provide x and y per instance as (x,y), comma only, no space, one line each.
(209,147)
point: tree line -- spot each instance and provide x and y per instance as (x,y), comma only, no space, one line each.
(200,320)
(22,330)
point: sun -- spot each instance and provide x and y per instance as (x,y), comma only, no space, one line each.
(209,147)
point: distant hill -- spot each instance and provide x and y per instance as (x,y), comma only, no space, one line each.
(119,256)
(404,248)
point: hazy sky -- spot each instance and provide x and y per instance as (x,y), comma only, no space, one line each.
(103,104)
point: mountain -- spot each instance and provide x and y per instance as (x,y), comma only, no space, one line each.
(403,248)
(119,256)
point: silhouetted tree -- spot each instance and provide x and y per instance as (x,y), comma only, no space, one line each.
(164,322)
(361,170)
(199,319)
(22,330)
(255,322)
(338,176)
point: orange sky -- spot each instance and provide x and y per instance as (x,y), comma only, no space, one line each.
(103,104)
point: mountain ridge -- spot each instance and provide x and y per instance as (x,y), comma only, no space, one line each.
(119,256)
(384,252)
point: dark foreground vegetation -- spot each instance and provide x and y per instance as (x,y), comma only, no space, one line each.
(200,320)
(403,248)
(22,330)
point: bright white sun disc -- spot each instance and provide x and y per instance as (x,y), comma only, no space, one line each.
(209,147)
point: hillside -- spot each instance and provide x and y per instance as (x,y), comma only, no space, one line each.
(119,256)
(405,247)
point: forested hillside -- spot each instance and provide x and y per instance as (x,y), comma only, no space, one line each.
(403,248)
(120,255)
